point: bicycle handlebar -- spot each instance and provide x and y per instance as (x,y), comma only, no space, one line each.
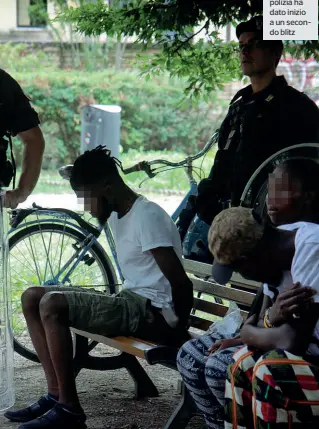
(146,165)
(140,166)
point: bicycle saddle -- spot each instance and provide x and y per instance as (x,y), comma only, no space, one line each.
(65,171)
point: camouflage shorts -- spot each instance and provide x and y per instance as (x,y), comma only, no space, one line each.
(109,315)
(125,313)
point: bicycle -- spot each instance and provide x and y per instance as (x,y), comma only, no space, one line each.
(81,255)
(86,251)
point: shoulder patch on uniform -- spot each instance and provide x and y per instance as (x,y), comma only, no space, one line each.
(270,97)
(237,100)
(27,96)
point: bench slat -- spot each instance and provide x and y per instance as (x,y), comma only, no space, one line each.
(230,294)
(205,270)
(199,323)
(197,268)
(137,347)
(210,307)
(130,345)
(246,287)
(237,279)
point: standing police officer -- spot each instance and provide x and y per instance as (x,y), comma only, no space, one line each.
(263,118)
(17,117)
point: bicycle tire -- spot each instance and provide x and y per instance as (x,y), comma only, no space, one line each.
(259,178)
(96,250)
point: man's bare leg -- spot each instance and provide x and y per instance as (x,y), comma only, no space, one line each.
(31,299)
(54,313)
(30,305)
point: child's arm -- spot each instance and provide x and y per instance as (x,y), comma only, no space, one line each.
(294,336)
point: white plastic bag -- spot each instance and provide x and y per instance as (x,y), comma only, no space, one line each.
(229,325)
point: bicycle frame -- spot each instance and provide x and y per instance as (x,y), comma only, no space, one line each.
(65,219)
(193,191)
(79,254)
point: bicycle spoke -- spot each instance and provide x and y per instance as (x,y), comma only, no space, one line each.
(23,256)
(85,270)
(49,251)
(57,248)
(82,274)
(46,253)
(35,257)
(28,267)
(35,261)
(62,248)
(18,275)
(46,263)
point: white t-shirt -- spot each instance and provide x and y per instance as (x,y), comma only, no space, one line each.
(146,226)
(304,267)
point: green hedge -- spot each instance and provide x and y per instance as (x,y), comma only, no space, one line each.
(153,114)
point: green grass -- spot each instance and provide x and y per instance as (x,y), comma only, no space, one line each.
(175,179)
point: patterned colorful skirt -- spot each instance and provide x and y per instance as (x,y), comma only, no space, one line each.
(272,390)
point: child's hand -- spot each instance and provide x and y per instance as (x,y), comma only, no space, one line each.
(224,344)
(289,303)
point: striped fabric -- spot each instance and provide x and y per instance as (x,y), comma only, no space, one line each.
(273,390)
(204,376)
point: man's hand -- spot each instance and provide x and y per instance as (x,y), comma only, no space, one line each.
(288,303)
(182,288)
(225,344)
(183,301)
(13,198)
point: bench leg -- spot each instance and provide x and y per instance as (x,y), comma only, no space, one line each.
(144,387)
(81,354)
(183,413)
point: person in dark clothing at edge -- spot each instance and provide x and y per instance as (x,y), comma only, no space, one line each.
(18,118)
(263,118)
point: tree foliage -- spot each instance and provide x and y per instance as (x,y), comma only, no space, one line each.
(152,116)
(172,25)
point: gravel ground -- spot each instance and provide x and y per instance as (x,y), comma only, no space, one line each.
(108,398)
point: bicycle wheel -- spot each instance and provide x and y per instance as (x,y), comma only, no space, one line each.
(37,253)
(254,194)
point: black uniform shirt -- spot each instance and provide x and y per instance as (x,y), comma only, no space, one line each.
(256,127)
(16,113)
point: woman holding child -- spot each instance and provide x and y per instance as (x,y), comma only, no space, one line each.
(292,197)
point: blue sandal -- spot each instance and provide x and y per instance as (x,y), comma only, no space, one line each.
(44,404)
(57,418)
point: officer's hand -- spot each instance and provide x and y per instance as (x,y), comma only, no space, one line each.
(13,198)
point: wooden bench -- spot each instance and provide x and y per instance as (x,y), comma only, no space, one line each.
(210,303)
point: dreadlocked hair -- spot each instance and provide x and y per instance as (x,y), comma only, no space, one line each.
(94,166)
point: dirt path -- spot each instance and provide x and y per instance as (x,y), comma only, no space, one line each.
(107,397)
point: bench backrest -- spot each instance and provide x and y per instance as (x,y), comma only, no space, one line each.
(211,300)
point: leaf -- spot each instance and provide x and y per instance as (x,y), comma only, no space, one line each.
(171,26)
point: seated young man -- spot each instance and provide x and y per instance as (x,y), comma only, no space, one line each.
(154,303)
(274,380)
